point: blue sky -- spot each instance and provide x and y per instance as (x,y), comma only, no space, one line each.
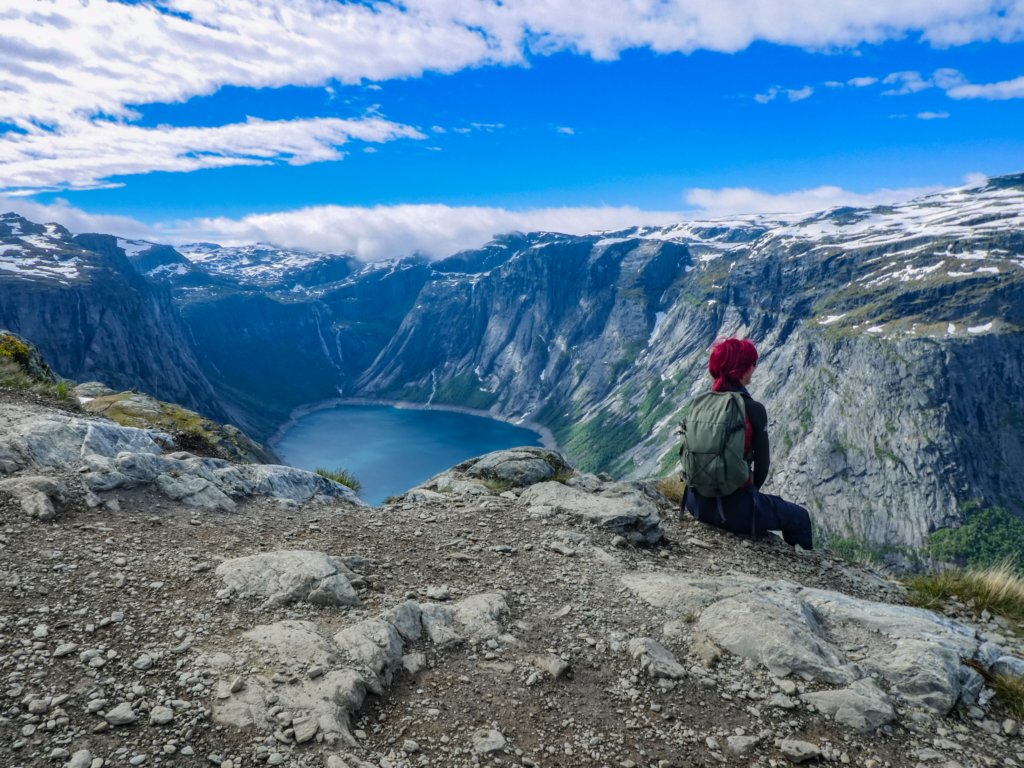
(382,129)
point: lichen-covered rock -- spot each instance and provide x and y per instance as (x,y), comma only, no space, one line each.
(27,358)
(518,467)
(191,431)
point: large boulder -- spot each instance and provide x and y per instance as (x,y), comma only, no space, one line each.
(518,467)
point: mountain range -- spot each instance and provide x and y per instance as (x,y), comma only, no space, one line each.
(890,339)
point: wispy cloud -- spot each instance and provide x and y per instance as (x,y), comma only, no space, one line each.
(1000,91)
(861,82)
(904,83)
(75,219)
(932,115)
(792,94)
(739,200)
(565,129)
(88,154)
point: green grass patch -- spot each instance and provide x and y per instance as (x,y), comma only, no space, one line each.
(342,476)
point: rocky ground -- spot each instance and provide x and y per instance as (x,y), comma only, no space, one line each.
(493,616)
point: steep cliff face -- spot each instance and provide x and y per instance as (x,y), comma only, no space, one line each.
(81,303)
(888,338)
(891,340)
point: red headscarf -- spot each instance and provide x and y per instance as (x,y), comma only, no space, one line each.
(730,359)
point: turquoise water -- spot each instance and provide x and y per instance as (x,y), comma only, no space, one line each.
(390,450)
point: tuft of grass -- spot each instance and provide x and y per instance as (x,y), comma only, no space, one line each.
(13,375)
(563,476)
(672,488)
(998,589)
(341,475)
(498,487)
(62,389)
(1009,689)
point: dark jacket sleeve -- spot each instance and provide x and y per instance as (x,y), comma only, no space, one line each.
(759,451)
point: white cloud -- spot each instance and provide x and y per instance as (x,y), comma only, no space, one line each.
(793,94)
(87,153)
(905,83)
(861,82)
(75,219)
(565,129)
(932,115)
(740,200)
(135,53)
(1006,89)
(379,232)
(373,233)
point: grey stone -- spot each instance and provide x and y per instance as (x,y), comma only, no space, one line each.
(36,495)
(741,745)
(81,758)
(305,729)
(475,618)
(291,576)
(122,714)
(863,705)
(555,666)
(488,741)
(777,631)
(518,466)
(161,715)
(655,658)
(799,751)
(620,507)
(196,492)
(291,484)
(1008,665)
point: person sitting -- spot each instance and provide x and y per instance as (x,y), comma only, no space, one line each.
(747,510)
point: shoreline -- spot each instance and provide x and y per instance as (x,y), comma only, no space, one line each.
(547,438)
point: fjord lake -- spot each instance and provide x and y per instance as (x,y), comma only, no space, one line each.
(390,449)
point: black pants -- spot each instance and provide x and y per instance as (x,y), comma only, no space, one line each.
(750,511)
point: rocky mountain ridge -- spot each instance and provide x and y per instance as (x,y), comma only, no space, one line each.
(498,614)
(885,334)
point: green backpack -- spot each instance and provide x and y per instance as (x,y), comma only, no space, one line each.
(714,433)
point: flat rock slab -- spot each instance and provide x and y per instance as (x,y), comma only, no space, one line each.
(793,630)
(358,659)
(619,507)
(292,576)
(863,706)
